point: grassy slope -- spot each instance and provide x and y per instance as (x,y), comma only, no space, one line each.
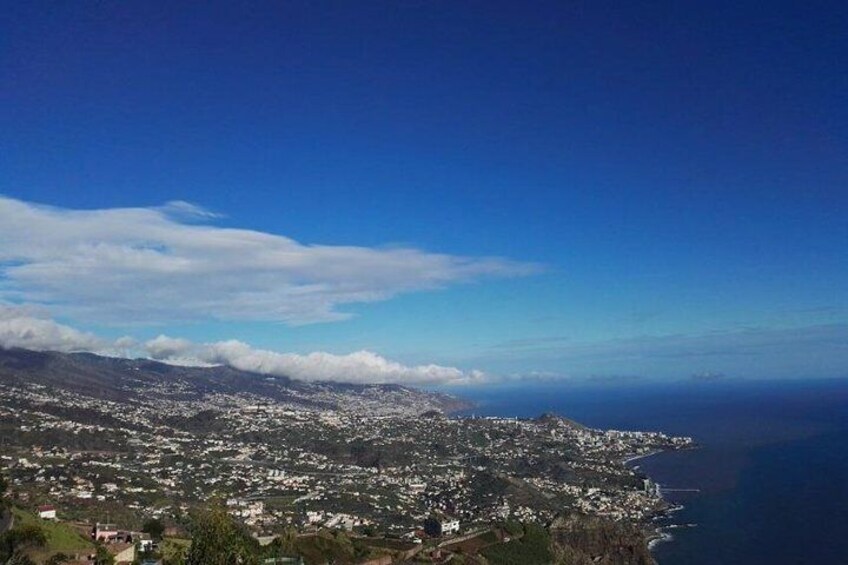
(60,536)
(318,548)
(533,548)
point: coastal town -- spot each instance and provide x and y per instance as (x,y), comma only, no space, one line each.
(385,463)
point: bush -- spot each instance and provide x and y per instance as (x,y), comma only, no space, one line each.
(19,538)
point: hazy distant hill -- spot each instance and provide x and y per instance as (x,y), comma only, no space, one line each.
(111,378)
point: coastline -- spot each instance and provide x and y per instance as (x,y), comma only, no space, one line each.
(660,534)
(655,535)
(660,537)
(628,460)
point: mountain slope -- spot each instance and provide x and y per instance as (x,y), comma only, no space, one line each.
(117,379)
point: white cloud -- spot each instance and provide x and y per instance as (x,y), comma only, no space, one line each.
(30,328)
(159,265)
(357,367)
(27,328)
(168,348)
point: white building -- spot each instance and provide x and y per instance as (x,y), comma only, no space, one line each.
(450,527)
(441,526)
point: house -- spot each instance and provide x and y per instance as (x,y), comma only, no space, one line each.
(47,512)
(122,552)
(441,525)
(104,532)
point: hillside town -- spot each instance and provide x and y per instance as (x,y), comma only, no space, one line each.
(333,461)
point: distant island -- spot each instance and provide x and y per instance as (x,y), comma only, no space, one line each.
(95,449)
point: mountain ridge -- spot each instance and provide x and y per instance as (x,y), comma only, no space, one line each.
(118,378)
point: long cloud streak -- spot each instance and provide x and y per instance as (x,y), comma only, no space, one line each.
(158,265)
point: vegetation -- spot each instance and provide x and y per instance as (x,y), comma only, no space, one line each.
(154,527)
(217,539)
(513,528)
(58,559)
(20,559)
(59,537)
(532,548)
(16,542)
(102,556)
(175,551)
(335,547)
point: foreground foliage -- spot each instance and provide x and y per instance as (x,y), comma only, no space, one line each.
(532,548)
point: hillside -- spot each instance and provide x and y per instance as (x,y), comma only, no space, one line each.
(117,379)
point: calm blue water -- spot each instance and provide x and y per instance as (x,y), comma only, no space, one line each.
(772,468)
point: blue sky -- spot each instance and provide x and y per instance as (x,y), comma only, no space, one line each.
(663,185)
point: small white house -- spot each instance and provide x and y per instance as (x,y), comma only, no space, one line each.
(47,512)
(145,543)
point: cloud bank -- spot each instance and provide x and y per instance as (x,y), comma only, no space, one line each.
(159,265)
(30,328)
(357,367)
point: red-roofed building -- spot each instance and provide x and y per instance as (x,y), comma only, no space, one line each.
(47,512)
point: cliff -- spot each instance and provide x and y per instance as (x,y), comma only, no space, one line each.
(578,539)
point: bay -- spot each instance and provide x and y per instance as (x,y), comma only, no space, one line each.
(771,468)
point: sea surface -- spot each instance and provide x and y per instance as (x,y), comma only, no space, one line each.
(771,467)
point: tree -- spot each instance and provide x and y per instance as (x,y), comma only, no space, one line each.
(286,543)
(102,556)
(218,540)
(4,484)
(155,528)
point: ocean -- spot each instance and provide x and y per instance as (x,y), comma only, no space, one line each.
(771,468)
